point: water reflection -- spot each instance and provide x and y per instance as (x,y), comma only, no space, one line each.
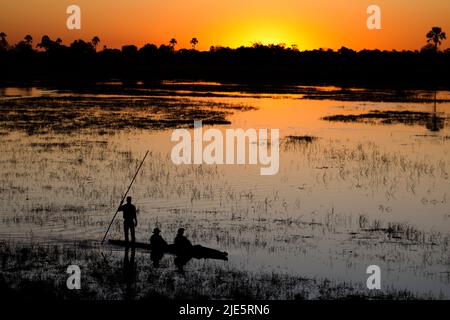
(436,123)
(312,218)
(23,92)
(129,271)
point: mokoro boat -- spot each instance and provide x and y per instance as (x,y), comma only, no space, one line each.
(198,252)
(123,243)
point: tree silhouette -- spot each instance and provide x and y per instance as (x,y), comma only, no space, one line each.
(3,42)
(173,42)
(435,37)
(194,42)
(28,39)
(46,43)
(129,51)
(24,48)
(95,41)
(247,63)
(82,47)
(428,47)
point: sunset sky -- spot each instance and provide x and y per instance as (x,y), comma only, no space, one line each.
(308,23)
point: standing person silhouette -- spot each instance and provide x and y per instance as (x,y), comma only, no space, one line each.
(129,219)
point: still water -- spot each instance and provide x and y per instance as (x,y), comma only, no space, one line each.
(325,214)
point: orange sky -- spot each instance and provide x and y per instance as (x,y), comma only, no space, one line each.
(308,23)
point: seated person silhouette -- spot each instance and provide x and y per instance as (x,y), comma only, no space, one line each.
(183,249)
(157,246)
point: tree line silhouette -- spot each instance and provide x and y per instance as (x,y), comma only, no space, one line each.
(82,61)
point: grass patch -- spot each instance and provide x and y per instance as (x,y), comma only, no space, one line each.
(38,272)
(388,117)
(109,114)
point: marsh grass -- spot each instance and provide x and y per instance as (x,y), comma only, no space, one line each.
(33,271)
(68,114)
(292,140)
(374,95)
(389,117)
(404,233)
(64,167)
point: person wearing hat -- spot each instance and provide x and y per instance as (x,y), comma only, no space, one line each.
(158,247)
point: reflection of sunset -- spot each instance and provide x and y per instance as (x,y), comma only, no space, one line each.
(308,24)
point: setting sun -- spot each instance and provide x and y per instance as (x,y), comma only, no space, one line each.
(266,32)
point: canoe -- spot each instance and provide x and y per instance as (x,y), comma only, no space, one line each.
(198,252)
(123,243)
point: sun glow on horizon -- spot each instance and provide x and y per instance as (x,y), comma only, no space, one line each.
(267,31)
(267,35)
(309,24)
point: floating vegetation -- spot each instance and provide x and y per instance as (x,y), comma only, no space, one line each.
(374,95)
(298,142)
(66,114)
(300,139)
(403,233)
(389,117)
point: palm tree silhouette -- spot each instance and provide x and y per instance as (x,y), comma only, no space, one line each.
(95,41)
(435,37)
(194,42)
(173,42)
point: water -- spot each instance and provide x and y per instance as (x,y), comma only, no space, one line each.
(307,220)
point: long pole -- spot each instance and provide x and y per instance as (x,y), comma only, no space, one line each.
(124,196)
